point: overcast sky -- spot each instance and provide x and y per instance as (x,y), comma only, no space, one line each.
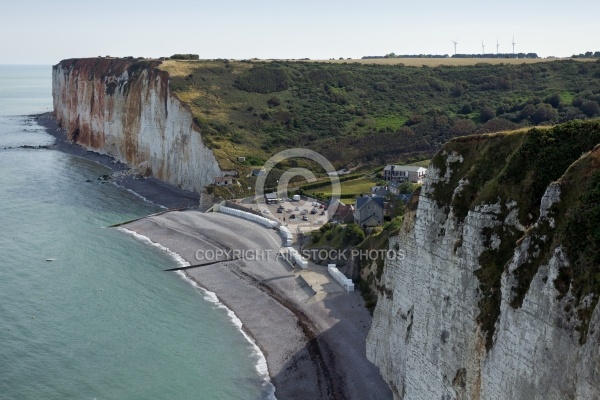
(44,32)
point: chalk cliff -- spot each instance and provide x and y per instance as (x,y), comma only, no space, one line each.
(497,295)
(126,109)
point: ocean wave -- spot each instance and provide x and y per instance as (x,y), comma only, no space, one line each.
(261,361)
(136,194)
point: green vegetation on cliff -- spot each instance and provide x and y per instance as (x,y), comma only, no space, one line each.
(375,113)
(338,237)
(515,170)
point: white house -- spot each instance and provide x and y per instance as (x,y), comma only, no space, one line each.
(402,173)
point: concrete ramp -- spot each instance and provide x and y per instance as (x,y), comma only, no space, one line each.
(303,292)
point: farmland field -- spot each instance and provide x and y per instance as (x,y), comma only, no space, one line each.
(436,62)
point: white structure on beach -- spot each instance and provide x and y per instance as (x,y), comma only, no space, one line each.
(340,277)
(286,235)
(294,257)
(269,223)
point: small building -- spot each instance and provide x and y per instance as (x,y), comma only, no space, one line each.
(343,214)
(223,181)
(258,172)
(369,211)
(380,190)
(403,173)
(241,159)
(393,187)
(271,198)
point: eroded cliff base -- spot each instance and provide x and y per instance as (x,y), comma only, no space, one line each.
(151,189)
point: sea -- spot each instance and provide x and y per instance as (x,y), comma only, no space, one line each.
(86,311)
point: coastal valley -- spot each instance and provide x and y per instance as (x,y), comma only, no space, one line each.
(476,185)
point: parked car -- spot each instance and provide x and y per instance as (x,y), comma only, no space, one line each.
(304,218)
(303,212)
(297,209)
(280,210)
(293,216)
(322,213)
(313,211)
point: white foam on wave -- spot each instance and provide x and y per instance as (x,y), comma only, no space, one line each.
(136,194)
(261,361)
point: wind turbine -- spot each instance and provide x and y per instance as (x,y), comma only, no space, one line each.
(455,43)
(497,45)
(513,43)
(483,47)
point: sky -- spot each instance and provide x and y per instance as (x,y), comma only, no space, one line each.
(44,32)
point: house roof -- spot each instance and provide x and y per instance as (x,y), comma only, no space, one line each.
(270,196)
(410,168)
(222,179)
(363,201)
(379,190)
(344,211)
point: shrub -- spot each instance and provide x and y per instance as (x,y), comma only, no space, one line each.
(590,108)
(544,113)
(185,57)
(263,79)
(353,234)
(274,101)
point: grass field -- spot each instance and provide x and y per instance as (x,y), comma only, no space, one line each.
(423,163)
(354,186)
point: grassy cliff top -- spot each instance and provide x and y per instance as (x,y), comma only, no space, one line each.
(372,112)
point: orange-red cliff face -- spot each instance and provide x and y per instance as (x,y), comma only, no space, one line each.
(126,109)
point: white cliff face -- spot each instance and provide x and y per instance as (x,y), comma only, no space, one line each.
(425,337)
(132,115)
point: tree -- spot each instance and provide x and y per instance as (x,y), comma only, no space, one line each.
(397,206)
(353,234)
(457,90)
(527,111)
(462,126)
(497,125)
(590,108)
(466,109)
(554,100)
(274,101)
(544,113)
(415,119)
(487,113)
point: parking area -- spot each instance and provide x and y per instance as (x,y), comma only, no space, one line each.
(300,216)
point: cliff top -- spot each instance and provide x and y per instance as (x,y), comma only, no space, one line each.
(515,170)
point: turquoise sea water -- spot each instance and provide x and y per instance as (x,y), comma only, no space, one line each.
(102,321)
